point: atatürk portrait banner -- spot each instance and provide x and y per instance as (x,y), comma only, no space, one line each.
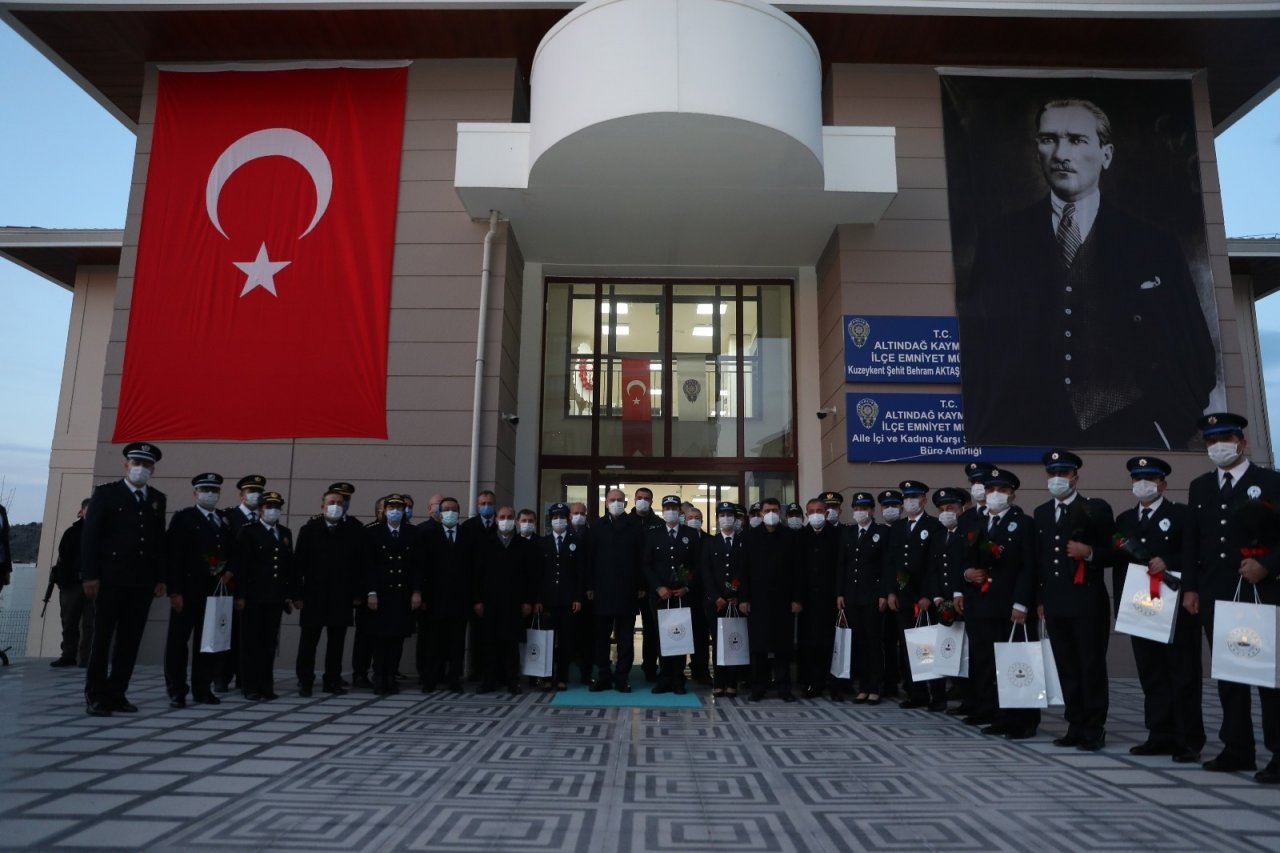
(1083,288)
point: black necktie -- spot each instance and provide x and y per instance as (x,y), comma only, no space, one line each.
(1146,517)
(1226,486)
(558,538)
(728,541)
(138,494)
(672,531)
(1068,234)
(451,539)
(395,533)
(275,531)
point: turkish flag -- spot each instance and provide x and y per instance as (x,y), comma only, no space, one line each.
(637,412)
(262,287)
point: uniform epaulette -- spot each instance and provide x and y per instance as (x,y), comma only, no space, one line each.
(372,524)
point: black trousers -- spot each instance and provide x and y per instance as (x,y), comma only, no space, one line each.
(931,691)
(584,639)
(362,644)
(983,698)
(1237,707)
(1080,650)
(226,665)
(1170,674)
(776,669)
(260,625)
(186,629)
(502,664)
(333,648)
(867,622)
(77,623)
(623,629)
(817,637)
(387,652)
(563,621)
(890,636)
(650,649)
(700,663)
(479,653)
(725,676)
(442,643)
(120,617)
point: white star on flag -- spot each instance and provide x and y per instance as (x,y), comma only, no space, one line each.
(260,272)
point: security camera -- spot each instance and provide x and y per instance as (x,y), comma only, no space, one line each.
(510,418)
(823,412)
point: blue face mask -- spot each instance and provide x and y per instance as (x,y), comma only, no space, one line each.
(488,510)
(346,504)
(449,517)
(394,515)
(408,513)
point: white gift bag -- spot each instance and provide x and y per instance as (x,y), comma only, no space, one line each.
(1244,641)
(842,649)
(1144,616)
(215,634)
(537,651)
(1052,684)
(964,658)
(951,650)
(1020,679)
(732,646)
(675,630)
(922,649)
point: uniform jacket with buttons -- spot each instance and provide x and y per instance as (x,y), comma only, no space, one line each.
(860,563)
(1086,520)
(908,555)
(394,568)
(123,541)
(197,552)
(505,579)
(1162,536)
(1005,552)
(723,568)
(559,576)
(1218,531)
(263,564)
(950,559)
(670,563)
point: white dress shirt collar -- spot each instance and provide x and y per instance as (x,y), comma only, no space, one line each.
(1086,212)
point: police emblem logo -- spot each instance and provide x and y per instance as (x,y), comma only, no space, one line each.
(1165,524)
(223,620)
(1013,525)
(924,652)
(868,410)
(735,640)
(532,650)
(1021,674)
(676,631)
(1244,642)
(948,647)
(859,331)
(1213,419)
(924,534)
(692,388)
(1146,605)
(1254,492)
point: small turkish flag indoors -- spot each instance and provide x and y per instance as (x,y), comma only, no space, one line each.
(637,411)
(262,287)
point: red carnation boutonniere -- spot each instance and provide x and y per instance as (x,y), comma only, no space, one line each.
(1253,551)
(216,564)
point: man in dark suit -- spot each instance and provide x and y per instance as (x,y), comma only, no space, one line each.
(262,563)
(1073,549)
(483,523)
(723,566)
(649,651)
(1232,543)
(442,634)
(393,573)
(998,590)
(502,598)
(819,544)
(122,566)
(76,611)
(771,596)
(226,665)
(860,593)
(198,548)
(615,583)
(670,570)
(1151,534)
(1087,296)
(558,590)
(907,558)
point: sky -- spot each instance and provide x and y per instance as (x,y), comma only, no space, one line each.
(66,163)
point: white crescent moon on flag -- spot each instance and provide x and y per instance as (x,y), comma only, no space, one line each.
(642,389)
(272,142)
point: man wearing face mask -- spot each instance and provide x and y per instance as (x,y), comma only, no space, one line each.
(723,569)
(795,516)
(1073,549)
(584,628)
(670,567)
(1152,534)
(1000,579)
(527,524)
(740,518)
(700,664)
(950,559)
(860,593)
(442,632)
(908,556)
(819,543)
(262,562)
(197,548)
(615,584)
(976,473)
(122,569)
(558,590)
(649,647)
(393,572)
(833,503)
(483,522)
(327,563)
(771,597)
(890,501)
(754,515)
(1231,543)
(226,665)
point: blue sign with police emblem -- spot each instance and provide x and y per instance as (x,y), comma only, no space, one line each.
(917,428)
(881,348)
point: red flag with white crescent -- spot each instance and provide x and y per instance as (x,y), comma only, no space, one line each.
(262,288)
(637,411)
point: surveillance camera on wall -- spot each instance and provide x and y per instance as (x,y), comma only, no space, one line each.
(822,413)
(510,418)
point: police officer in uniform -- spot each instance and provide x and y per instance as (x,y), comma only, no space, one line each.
(122,568)
(1231,543)
(976,473)
(394,573)
(1073,549)
(890,501)
(262,563)
(558,595)
(670,568)
(226,665)
(723,567)
(1151,534)
(907,586)
(860,593)
(950,559)
(819,545)
(198,548)
(833,503)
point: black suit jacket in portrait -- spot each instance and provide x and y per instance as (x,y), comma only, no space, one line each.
(1124,325)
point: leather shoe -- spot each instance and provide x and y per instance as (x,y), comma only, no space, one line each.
(787,697)
(911,703)
(304,691)
(269,696)
(995,729)
(455,686)
(1020,734)
(812,692)
(600,686)
(1269,775)
(1092,745)
(253,697)
(177,701)
(362,681)
(977,720)
(515,689)
(124,706)
(1067,740)
(206,699)
(221,687)
(1188,756)
(61,662)
(958,711)
(97,709)
(624,686)
(339,690)
(938,707)
(1153,748)
(660,687)
(1225,763)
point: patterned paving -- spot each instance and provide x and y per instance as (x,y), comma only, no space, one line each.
(500,773)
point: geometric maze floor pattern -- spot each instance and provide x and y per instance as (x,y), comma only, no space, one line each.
(500,773)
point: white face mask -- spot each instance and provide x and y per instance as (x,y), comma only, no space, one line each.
(795,522)
(833,515)
(449,517)
(526,528)
(756,521)
(138,475)
(395,515)
(1059,487)
(817,519)
(725,522)
(616,508)
(271,514)
(911,505)
(948,519)
(1224,453)
(978,492)
(333,512)
(579,520)
(695,523)
(252,499)
(997,502)
(559,525)
(891,513)
(643,505)
(1145,490)
(207,500)
(670,516)
(506,525)
(771,519)
(861,516)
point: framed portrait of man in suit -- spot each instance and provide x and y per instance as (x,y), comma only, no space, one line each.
(1083,285)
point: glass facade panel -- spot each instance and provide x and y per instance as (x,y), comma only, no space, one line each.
(633,343)
(767,396)
(569,368)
